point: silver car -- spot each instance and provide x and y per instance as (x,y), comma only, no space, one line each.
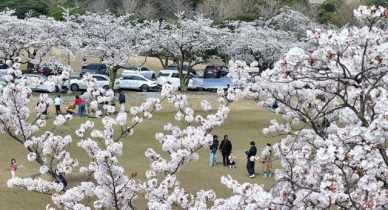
(137,82)
(42,87)
(142,70)
(81,83)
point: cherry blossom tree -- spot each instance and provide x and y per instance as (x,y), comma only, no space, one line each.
(184,40)
(333,148)
(9,34)
(34,38)
(266,40)
(332,102)
(110,38)
(112,188)
(253,41)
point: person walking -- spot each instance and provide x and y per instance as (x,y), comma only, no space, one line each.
(251,164)
(81,106)
(107,95)
(213,151)
(45,111)
(225,149)
(122,101)
(87,97)
(14,167)
(267,162)
(84,63)
(57,102)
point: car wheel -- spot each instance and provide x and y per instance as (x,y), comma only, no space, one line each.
(105,87)
(74,87)
(56,89)
(144,88)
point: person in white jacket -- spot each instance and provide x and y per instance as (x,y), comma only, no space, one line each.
(57,102)
(232,160)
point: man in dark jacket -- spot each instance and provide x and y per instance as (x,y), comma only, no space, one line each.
(122,101)
(251,164)
(225,149)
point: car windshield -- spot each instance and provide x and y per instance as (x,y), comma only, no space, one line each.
(93,66)
(34,75)
(161,74)
(44,77)
(222,67)
(172,67)
(3,66)
(175,67)
(132,68)
(210,67)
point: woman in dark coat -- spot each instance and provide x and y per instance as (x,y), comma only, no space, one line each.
(225,149)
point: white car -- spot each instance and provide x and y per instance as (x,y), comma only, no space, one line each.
(81,83)
(172,77)
(146,72)
(42,87)
(136,81)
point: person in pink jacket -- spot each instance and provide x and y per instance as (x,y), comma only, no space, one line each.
(14,167)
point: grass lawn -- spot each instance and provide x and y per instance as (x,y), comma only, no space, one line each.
(243,125)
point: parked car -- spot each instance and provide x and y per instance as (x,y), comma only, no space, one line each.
(253,75)
(46,68)
(80,83)
(43,87)
(146,72)
(2,80)
(95,68)
(324,71)
(137,82)
(3,69)
(215,71)
(172,77)
(175,67)
(48,71)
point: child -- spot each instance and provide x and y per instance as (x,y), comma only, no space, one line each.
(37,110)
(231,160)
(14,167)
(57,102)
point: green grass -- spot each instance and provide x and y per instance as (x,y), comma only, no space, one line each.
(243,125)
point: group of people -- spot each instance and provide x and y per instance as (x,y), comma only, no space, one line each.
(83,103)
(60,176)
(228,158)
(225,149)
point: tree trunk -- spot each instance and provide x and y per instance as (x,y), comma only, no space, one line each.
(165,63)
(183,86)
(113,74)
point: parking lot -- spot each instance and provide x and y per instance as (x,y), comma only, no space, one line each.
(135,95)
